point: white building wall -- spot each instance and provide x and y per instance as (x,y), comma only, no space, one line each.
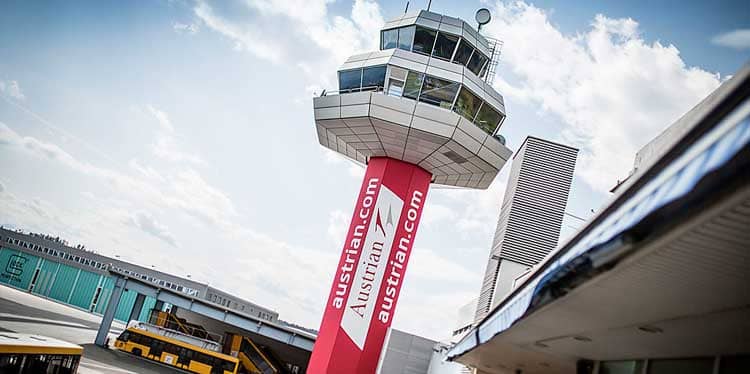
(404,353)
(507,274)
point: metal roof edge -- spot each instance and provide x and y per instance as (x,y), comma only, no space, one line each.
(737,91)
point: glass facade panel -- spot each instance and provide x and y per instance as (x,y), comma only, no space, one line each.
(423,40)
(405,37)
(476,63)
(395,88)
(389,39)
(413,84)
(373,76)
(621,367)
(350,80)
(444,45)
(682,366)
(488,119)
(463,53)
(467,104)
(438,92)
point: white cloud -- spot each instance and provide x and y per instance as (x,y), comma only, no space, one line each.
(355,169)
(338,223)
(183,194)
(162,118)
(167,146)
(738,39)
(312,39)
(474,213)
(146,223)
(12,89)
(185,189)
(182,28)
(612,90)
(427,264)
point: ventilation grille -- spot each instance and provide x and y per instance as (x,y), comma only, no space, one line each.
(455,157)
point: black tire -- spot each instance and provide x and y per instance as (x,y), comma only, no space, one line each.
(137,352)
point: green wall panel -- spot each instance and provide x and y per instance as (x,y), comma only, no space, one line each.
(64,280)
(85,289)
(148,304)
(46,276)
(126,305)
(17,268)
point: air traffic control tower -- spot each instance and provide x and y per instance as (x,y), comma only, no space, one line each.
(420,110)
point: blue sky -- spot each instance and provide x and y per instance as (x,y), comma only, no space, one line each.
(180,133)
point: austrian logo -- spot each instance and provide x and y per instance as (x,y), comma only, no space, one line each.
(15,265)
(369,275)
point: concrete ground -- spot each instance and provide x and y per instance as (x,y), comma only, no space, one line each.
(26,313)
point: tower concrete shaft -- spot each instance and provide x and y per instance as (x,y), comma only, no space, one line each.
(371,269)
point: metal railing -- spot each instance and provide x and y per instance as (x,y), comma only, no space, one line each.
(496,47)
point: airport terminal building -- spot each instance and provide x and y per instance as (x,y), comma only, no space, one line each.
(48,267)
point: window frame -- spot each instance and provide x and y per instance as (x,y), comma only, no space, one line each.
(350,90)
(479,106)
(382,38)
(411,41)
(421,84)
(439,89)
(370,87)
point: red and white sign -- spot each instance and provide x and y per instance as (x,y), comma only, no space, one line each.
(371,269)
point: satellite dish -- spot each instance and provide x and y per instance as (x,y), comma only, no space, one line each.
(483,17)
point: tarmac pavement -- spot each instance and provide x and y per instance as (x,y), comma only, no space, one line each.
(23,312)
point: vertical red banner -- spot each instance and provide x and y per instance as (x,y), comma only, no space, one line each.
(371,269)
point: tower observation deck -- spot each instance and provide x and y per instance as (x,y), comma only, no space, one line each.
(421,98)
(419,111)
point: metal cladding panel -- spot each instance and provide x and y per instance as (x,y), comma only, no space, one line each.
(17,268)
(127,300)
(373,262)
(85,289)
(63,283)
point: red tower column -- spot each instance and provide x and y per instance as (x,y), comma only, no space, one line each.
(371,269)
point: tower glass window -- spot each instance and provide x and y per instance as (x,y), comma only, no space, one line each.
(423,40)
(373,77)
(488,118)
(405,37)
(438,92)
(350,80)
(463,54)
(467,104)
(413,84)
(389,39)
(445,45)
(476,63)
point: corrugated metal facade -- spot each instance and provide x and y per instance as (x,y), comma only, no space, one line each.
(64,283)
(532,211)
